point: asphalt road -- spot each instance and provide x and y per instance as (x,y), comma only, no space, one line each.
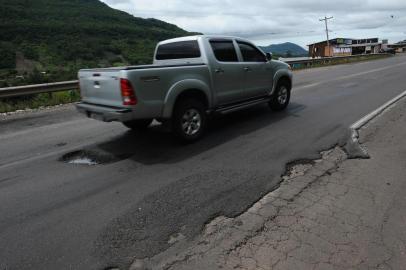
(55,215)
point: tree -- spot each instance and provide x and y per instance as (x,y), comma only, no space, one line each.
(7,56)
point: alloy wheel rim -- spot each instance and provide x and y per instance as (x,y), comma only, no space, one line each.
(283,95)
(191,122)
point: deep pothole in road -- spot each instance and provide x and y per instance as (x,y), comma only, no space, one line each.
(297,168)
(91,158)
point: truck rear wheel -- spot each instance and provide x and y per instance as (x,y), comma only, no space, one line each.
(281,97)
(189,120)
(141,124)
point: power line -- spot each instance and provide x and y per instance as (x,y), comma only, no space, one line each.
(326,22)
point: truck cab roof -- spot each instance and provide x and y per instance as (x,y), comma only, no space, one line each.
(197,37)
(199,56)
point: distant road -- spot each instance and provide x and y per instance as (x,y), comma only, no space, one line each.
(55,215)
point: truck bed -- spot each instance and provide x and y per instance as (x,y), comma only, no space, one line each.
(151,83)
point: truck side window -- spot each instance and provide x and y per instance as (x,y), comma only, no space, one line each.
(250,53)
(178,50)
(224,50)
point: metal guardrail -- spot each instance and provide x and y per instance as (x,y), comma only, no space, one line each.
(327,60)
(71,85)
(37,89)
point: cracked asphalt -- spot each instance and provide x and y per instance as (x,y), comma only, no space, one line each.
(155,196)
(339,213)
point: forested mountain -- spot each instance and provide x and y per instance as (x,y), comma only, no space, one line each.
(57,37)
(286,49)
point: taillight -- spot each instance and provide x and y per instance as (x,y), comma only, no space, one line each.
(127,92)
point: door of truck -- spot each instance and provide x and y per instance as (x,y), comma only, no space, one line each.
(228,76)
(258,73)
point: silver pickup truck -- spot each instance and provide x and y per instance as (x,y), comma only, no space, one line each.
(191,77)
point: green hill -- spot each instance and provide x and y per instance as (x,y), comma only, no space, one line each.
(57,37)
(285,49)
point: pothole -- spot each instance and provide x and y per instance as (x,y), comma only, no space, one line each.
(297,168)
(90,158)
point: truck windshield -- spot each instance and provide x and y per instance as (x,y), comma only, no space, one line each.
(178,50)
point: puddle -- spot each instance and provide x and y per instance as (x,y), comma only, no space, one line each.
(90,158)
(83,161)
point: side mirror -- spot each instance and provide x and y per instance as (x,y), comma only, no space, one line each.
(269,56)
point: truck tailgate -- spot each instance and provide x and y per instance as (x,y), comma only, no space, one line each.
(101,87)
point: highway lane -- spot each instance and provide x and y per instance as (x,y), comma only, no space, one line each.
(55,215)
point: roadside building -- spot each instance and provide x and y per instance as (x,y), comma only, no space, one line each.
(344,47)
(399,46)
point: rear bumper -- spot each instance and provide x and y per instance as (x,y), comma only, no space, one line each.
(105,113)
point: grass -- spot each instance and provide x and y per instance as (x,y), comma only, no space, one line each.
(39,100)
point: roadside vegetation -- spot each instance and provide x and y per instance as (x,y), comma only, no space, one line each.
(46,41)
(38,101)
(49,40)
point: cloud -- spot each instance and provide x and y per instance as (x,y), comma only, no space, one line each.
(265,20)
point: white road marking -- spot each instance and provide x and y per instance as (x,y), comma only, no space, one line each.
(354,128)
(364,120)
(47,128)
(41,156)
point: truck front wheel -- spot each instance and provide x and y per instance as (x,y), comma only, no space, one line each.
(281,97)
(189,119)
(140,124)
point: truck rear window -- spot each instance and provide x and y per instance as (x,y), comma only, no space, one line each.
(178,50)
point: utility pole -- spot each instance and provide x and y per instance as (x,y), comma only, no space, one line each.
(328,39)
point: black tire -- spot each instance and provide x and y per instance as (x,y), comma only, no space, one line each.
(281,97)
(141,124)
(189,120)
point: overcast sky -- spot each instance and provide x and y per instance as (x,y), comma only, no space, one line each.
(266,21)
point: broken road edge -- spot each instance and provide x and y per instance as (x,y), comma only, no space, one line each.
(222,235)
(353,147)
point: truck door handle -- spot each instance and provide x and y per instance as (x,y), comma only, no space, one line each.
(219,70)
(247,69)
